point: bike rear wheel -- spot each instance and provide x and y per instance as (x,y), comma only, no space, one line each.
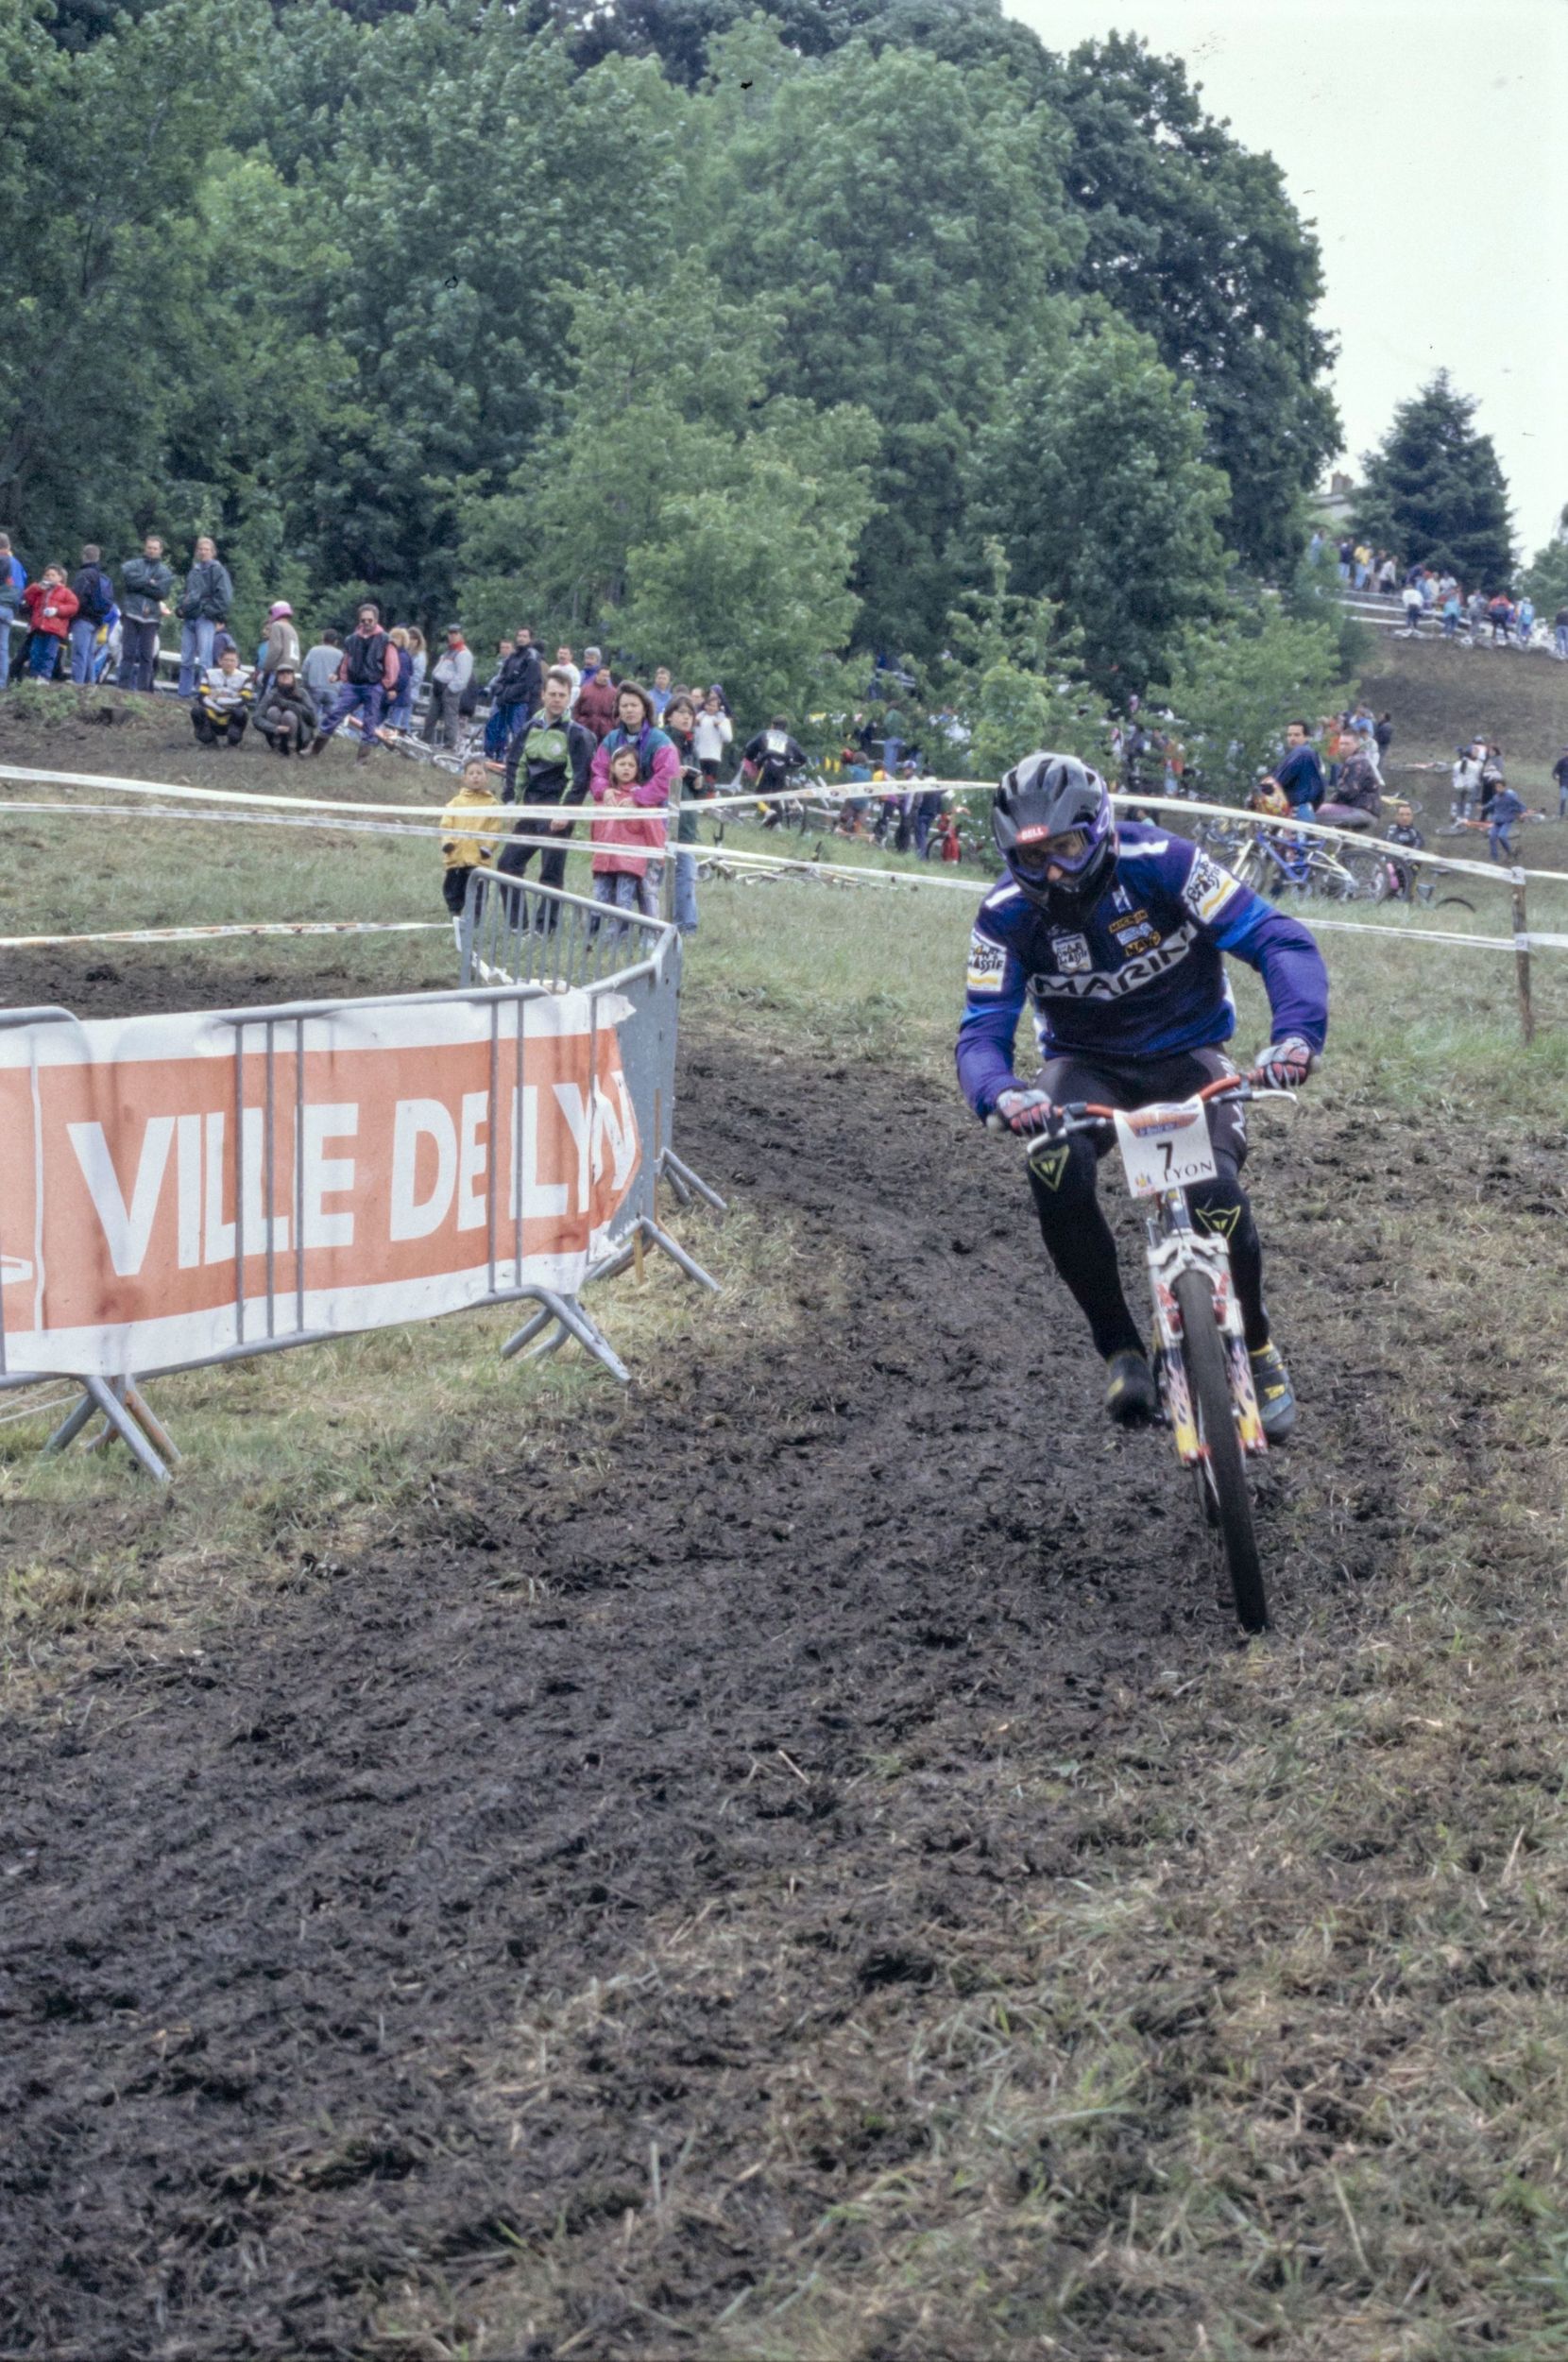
(1221,1475)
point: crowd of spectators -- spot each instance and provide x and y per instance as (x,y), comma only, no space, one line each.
(1429,595)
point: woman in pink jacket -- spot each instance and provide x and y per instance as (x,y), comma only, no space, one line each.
(657,770)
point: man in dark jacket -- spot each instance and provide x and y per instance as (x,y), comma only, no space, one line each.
(209,596)
(366,677)
(286,713)
(1300,774)
(95,605)
(144,586)
(519,687)
(551,756)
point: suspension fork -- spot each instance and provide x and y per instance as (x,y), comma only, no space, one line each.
(1175,1246)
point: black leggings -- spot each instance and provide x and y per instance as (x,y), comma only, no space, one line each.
(1073,1224)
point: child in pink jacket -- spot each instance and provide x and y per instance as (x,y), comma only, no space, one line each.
(630,880)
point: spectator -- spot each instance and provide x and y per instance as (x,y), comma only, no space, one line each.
(1467,777)
(366,676)
(449,685)
(1382,734)
(208,596)
(772,754)
(1505,810)
(661,692)
(1524,622)
(494,743)
(1357,802)
(515,695)
(712,733)
(94,598)
(1559,773)
(657,771)
(574,671)
(1300,774)
(1404,831)
(551,756)
(1499,615)
(621,861)
(472,825)
(319,669)
(13,581)
(1344,556)
(596,707)
(680,725)
(1491,780)
(1559,634)
(399,712)
(1475,609)
(282,645)
(1387,575)
(220,710)
(51,610)
(285,713)
(144,586)
(1453,614)
(420,655)
(1414,609)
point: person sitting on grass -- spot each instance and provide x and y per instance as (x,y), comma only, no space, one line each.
(221,708)
(621,842)
(1404,831)
(285,714)
(472,827)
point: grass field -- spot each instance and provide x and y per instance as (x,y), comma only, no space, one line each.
(1254,2037)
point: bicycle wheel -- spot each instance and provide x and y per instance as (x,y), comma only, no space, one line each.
(1222,1477)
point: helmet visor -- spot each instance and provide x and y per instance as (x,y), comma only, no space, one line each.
(1067,852)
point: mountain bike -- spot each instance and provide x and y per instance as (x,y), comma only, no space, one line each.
(1202,1367)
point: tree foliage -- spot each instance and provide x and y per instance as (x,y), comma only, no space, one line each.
(748,325)
(1434,492)
(1093,478)
(1236,687)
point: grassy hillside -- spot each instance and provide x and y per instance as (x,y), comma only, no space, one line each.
(1441,694)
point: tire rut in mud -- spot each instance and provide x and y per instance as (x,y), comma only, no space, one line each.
(277,1907)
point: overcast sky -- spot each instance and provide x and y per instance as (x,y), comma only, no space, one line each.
(1428,142)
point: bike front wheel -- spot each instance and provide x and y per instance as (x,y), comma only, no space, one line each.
(1221,1473)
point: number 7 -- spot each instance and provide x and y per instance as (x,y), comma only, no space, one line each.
(1166,1152)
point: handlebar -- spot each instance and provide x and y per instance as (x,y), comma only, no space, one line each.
(1085,1115)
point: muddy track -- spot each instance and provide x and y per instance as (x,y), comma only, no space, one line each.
(274,1914)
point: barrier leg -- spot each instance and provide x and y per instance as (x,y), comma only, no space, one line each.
(681,1178)
(142,1411)
(571,1321)
(677,1254)
(70,1425)
(109,1401)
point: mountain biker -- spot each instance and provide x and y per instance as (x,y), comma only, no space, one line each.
(772,754)
(1114,935)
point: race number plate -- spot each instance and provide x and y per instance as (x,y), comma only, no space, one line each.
(1166,1147)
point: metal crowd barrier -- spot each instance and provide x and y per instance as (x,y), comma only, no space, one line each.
(512,930)
(519,942)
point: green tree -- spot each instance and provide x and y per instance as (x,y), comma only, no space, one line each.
(1019,682)
(1094,478)
(682,519)
(1434,493)
(1234,686)
(1545,580)
(1195,241)
(898,214)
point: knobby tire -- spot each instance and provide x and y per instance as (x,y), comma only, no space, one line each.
(1225,1475)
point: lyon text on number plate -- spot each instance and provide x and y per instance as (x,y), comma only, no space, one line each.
(1166,1147)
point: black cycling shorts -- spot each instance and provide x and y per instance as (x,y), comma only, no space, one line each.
(1133,1082)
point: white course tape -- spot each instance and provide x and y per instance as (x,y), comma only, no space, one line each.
(261,927)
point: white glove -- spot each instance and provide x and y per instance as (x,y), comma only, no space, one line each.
(1285,1065)
(1024,1111)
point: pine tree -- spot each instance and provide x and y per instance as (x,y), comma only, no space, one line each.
(1434,492)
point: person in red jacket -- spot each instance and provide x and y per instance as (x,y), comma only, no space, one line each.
(597,707)
(51,609)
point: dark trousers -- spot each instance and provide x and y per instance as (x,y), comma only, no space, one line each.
(138,652)
(368,696)
(289,735)
(520,849)
(227,731)
(1072,1221)
(454,887)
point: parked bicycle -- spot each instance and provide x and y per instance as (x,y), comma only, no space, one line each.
(1202,1366)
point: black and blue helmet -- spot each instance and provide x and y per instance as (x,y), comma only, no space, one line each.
(1053,826)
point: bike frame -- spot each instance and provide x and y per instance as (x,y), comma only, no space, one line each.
(1174,1247)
